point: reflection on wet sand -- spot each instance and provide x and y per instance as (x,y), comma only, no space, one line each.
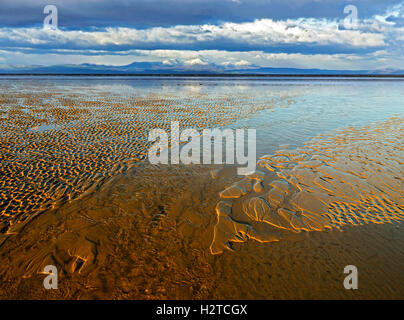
(350,176)
(75,192)
(148,233)
(57,145)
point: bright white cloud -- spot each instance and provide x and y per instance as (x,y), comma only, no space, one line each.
(242,63)
(259,32)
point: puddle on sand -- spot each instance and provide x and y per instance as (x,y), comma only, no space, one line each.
(44,128)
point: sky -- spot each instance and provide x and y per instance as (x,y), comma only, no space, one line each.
(233,34)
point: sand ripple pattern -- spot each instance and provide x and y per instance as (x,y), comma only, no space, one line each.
(58,143)
(349,176)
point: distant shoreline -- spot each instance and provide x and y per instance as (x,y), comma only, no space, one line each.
(206,75)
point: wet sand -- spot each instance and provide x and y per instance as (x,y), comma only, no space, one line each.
(57,144)
(349,176)
(184,231)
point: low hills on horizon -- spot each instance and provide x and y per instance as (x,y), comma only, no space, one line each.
(159,68)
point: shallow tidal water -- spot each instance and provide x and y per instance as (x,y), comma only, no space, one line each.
(77,191)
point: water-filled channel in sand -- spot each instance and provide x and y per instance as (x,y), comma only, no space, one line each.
(75,193)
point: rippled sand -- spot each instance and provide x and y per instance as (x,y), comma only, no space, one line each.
(57,144)
(150,232)
(352,176)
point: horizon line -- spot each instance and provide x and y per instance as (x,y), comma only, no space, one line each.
(322,75)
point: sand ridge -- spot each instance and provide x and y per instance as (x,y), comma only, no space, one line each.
(349,176)
(58,143)
(147,234)
(147,231)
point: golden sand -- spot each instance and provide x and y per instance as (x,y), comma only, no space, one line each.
(56,145)
(147,233)
(351,176)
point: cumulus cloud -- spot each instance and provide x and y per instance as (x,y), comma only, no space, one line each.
(268,32)
(319,42)
(242,63)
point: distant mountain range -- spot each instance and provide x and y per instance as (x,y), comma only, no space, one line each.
(161,68)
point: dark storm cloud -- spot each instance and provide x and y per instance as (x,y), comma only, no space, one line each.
(148,13)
